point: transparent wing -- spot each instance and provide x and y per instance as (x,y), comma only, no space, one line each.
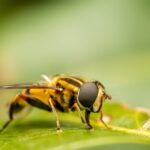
(29,86)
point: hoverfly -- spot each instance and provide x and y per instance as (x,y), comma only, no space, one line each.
(60,93)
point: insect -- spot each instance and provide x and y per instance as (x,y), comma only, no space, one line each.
(60,93)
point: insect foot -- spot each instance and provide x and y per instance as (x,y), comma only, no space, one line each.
(59,130)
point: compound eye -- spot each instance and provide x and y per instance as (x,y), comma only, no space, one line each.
(88,94)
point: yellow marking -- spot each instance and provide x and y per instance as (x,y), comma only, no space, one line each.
(68,86)
(40,94)
(97,102)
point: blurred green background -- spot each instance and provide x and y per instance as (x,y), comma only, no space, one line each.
(106,40)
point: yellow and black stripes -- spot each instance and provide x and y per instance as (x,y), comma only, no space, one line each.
(62,100)
(60,92)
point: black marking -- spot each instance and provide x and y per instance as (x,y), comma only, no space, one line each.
(18,108)
(79,79)
(58,106)
(99,83)
(71,81)
(27,91)
(11,111)
(37,103)
(58,85)
(72,101)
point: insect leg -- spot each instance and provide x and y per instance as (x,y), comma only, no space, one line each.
(80,113)
(16,106)
(87,118)
(11,108)
(101,119)
(55,115)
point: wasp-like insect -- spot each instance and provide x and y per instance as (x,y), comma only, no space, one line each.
(62,93)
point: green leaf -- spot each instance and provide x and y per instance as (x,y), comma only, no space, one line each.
(38,131)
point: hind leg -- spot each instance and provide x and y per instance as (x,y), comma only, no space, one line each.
(10,118)
(16,105)
(11,108)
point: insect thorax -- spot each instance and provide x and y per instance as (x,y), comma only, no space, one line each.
(65,99)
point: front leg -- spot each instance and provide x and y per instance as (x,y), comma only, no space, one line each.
(87,119)
(101,119)
(80,113)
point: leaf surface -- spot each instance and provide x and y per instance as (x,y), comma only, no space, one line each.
(38,131)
